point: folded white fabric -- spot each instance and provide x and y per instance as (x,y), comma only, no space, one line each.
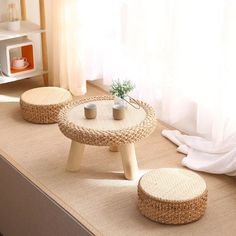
(204,155)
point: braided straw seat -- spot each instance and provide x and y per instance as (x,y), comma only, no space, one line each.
(172,196)
(104,131)
(42,105)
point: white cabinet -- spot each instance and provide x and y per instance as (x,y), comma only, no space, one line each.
(8,37)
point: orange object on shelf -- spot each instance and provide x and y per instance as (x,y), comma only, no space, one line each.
(12,50)
(27,52)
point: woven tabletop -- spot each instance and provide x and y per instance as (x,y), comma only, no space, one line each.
(172,184)
(104,130)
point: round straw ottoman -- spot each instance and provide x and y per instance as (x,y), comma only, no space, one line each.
(172,196)
(42,105)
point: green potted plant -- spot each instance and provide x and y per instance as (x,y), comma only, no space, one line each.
(121,89)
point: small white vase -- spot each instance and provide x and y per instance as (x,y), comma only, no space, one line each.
(121,101)
(13,25)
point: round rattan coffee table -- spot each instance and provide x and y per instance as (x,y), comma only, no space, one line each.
(105,131)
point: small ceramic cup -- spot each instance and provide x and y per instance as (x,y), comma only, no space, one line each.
(118,112)
(19,62)
(90,111)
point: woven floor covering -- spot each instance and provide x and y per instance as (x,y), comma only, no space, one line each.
(98,196)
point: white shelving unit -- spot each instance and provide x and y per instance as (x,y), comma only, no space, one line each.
(27,28)
(5,79)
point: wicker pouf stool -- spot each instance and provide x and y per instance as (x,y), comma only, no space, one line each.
(172,196)
(42,105)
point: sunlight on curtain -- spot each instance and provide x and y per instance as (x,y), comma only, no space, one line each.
(67,47)
(180,54)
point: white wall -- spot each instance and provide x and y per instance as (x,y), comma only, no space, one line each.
(3,8)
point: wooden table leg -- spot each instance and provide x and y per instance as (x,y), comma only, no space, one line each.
(75,156)
(113,148)
(129,161)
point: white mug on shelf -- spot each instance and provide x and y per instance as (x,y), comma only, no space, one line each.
(19,62)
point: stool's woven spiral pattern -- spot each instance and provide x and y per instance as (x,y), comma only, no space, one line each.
(172,196)
(43,113)
(105,137)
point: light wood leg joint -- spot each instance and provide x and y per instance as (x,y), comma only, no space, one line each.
(75,156)
(113,148)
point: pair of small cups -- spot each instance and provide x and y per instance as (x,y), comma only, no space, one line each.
(90,111)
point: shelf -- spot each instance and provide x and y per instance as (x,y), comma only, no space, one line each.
(27,28)
(6,79)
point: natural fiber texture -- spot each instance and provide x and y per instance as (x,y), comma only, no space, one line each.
(46,111)
(105,137)
(105,120)
(98,196)
(157,201)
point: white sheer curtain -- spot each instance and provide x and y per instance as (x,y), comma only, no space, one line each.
(67,46)
(180,54)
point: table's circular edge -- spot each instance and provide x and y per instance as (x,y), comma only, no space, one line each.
(106,137)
